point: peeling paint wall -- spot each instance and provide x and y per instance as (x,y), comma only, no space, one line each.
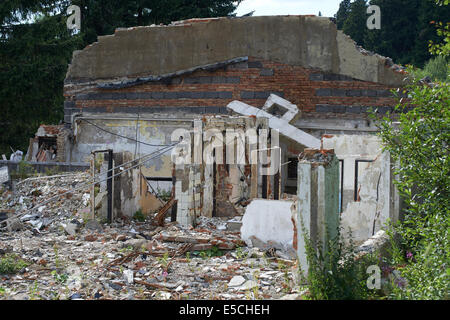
(372,184)
(155,132)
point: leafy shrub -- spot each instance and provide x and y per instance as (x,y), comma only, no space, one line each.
(139,216)
(419,143)
(438,69)
(336,272)
(10,263)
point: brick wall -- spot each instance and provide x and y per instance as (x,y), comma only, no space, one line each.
(317,94)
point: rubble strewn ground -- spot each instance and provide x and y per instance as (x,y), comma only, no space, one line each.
(66,256)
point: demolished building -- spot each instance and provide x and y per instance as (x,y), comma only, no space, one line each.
(306,77)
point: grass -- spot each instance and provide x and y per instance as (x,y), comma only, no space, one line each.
(213,252)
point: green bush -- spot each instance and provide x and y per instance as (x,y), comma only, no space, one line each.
(438,69)
(419,143)
(337,273)
(10,263)
(139,216)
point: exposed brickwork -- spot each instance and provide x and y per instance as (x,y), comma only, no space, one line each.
(251,82)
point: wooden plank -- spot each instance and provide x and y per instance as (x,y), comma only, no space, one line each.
(162,212)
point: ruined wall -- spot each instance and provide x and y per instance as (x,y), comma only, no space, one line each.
(155,133)
(312,42)
(369,197)
(199,66)
(317,94)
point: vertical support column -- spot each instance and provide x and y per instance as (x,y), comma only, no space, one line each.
(184,196)
(93,186)
(109,185)
(112,189)
(173,214)
(303,213)
(318,207)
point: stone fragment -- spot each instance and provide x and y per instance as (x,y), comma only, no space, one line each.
(293,296)
(248,285)
(14,225)
(236,281)
(90,238)
(94,225)
(128,276)
(71,228)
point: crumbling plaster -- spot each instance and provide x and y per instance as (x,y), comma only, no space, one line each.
(377,199)
(155,132)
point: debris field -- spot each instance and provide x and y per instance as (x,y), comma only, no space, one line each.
(59,253)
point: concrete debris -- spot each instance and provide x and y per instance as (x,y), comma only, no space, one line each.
(16,156)
(276,122)
(71,228)
(69,256)
(236,281)
(4,175)
(379,242)
(94,225)
(128,276)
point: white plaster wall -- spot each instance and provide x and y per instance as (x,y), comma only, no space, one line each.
(370,214)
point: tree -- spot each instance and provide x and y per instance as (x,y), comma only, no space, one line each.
(104,16)
(406,27)
(356,23)
(419,143)
(399,30)
(342,14)
(34,60)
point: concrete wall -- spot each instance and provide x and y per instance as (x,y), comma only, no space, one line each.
(311,42)
(197,190)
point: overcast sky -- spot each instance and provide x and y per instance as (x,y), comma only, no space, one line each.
(286,7)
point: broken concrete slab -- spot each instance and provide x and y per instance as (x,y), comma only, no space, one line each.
(14,224)
(236,281)
(248,285)
(71,228)
(93,225)
(128,276)
(282,108)
(280,124)
(4,174)
(269,223)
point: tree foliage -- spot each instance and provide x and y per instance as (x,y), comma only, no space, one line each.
(419,143)
(406,27)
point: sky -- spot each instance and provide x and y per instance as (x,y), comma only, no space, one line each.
(289,7)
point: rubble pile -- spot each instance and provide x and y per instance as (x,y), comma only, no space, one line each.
(68,256)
